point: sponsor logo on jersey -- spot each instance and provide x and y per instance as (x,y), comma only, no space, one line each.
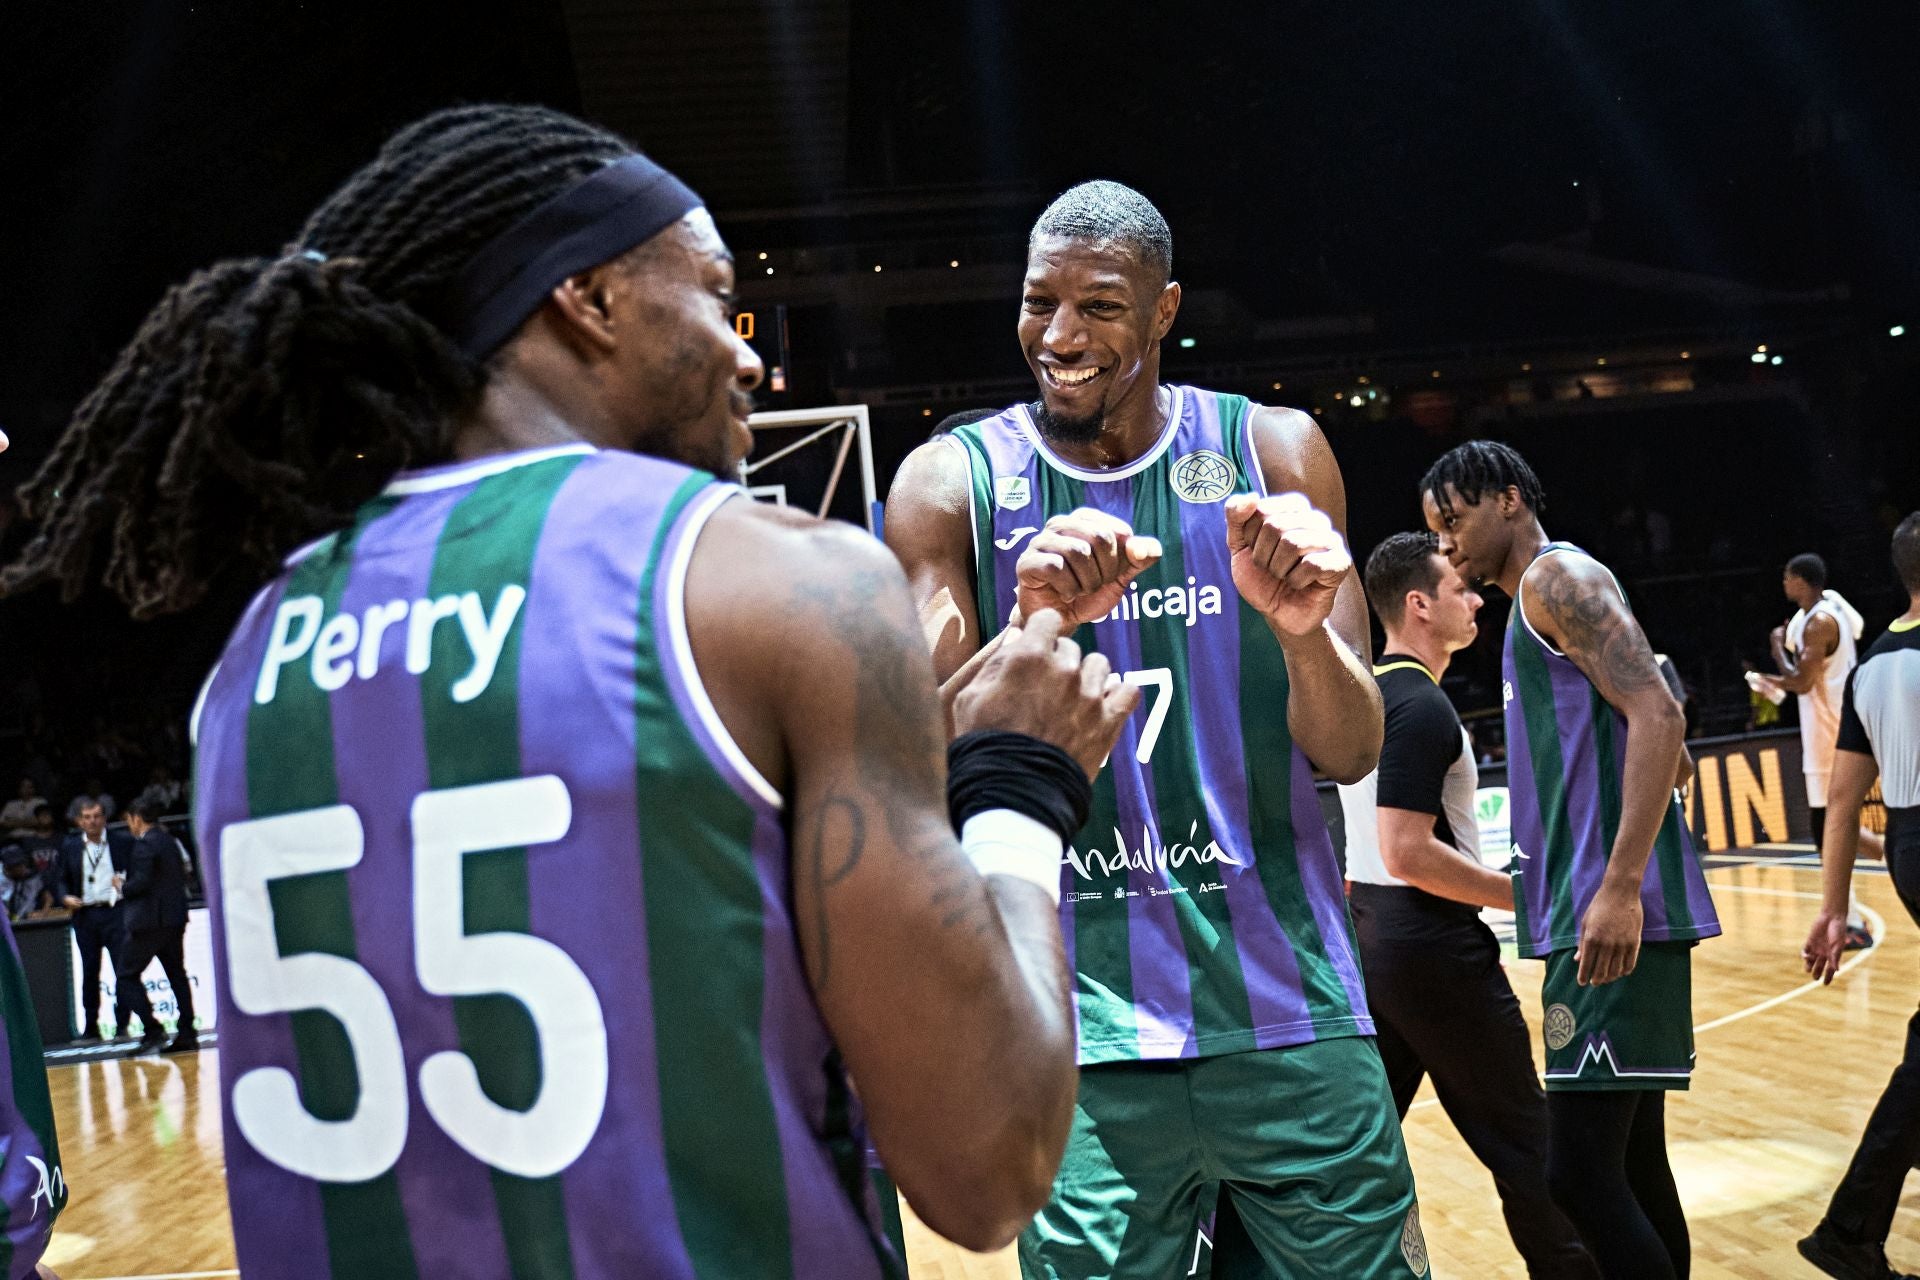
(1202,476)
(1413,1243)
(1012,492)
(52,1187)
(1148,854)
(1189,602)
(1506,692)
(1559,1027)
(1012,540)
(349,646)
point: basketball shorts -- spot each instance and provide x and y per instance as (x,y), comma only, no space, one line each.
(1636,1033)
(1305,1140)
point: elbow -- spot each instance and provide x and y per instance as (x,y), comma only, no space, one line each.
(984,1199)
(1356,756)
(1398,864)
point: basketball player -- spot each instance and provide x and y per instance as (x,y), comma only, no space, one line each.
(33,1189)
(1608,889)
(1879,732)
(1815,652)
(553,905)
(1440,1000)
(1194,539)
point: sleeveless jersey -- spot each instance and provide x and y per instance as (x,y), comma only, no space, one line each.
(33,1189)
(1566,755)
(1820,706)
(509,983)
(1202,904)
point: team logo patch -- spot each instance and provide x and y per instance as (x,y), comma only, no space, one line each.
(1202,476)
(1012,492)
(1413,1245)
(1559,1027)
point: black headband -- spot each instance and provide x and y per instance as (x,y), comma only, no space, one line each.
(602,216)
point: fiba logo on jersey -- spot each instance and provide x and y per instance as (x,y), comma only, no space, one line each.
(1413,1243)
(1559,1027)
(1202,476)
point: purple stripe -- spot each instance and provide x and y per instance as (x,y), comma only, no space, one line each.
(1320,876)
(1706,918)
(1009,453)
(1156,950)
(1523,808)
(29,1225)
(586,894)
(379,738)
(277,1221)
(1580,763)
(827,1231)
(1269,968)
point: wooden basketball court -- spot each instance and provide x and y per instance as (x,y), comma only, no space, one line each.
(1786,1077)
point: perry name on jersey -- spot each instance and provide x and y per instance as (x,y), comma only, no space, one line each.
(348,646)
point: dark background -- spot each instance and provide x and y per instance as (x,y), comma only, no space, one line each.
(1453,214)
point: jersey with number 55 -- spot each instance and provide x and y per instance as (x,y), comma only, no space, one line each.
(508,981)
(1202,904)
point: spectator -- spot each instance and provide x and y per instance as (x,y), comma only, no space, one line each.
(44,842)
(95,793)
(163,789)
(25,887)
(18,815)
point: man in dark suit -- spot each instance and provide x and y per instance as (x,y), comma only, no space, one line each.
(92,864)
(156,905)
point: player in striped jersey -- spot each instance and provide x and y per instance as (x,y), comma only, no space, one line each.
(1607,887)
(553,905)
(1224,1034)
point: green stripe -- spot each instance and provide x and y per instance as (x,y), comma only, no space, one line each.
(1538,712)
(1215,981)
(986,594)
(31,1098)
(290,767)
(488,542)
(1600,715)
(706,969)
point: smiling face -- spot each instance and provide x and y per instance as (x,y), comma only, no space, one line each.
(1091,320)
(682,377)
(1476,538)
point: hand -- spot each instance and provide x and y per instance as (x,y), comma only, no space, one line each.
(1609,937)
(1080,565)
(72,903)
(1826,943)
(1288,559)
(1778,636)
(1037,682)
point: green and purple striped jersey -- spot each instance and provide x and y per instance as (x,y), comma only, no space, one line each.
(1566,755)
(509,981)
(32,1188)
(1202,904)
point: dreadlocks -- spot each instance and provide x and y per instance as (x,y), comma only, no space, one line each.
(265,399)
(1478,468)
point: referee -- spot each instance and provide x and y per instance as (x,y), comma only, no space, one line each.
(1441,1003)
(1879,732)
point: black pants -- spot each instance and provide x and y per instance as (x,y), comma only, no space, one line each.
(97,929)
(1443,1008)
(1863,1205)
(144,946)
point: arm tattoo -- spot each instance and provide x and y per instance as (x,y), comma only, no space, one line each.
(1599,634)
(899,759)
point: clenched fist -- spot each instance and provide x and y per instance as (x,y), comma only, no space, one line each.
(1288,559)
(1080,565)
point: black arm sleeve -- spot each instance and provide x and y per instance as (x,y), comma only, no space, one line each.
(1422,742)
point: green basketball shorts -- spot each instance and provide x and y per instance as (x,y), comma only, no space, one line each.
(1304,1139)
(1636,1033)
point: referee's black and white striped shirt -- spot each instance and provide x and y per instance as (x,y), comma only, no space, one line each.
(1880,716)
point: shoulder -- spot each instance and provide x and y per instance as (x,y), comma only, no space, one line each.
(936,475)
(1415,705)
(765,553)
(1293,456)
(1564,568)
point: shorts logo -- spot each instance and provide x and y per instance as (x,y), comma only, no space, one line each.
(1012,492)
(1559,1027)
(1202,476)
(1413,1245)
